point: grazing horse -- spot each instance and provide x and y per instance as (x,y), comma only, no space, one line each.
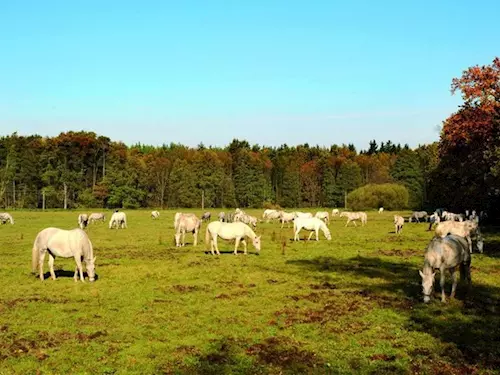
(323,215)
(247,219)
(206,216)
(380,210)
(312,224)
(353,216)
(118,220)
(466,229)
(187,223)
(228,231)
(155,214)
(287,217)
(441,254)
(267,213)
(66,244)
(4,217)
(83,220)
(304,215)
(177,217)
(335,212)
(417,215)
(222,216)
(93,217)
(399,221)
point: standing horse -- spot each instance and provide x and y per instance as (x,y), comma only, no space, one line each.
(66,244)
(206,216)
(398,223)
(155,214)
(353,216)
(323,215)
(287,217)
(187,223)
(466,229)
(380,210)
(312,224)
(83,220)
(442,254)
(335,212)
(4,217)
(118,219)
(417,215)
(229,231)
(93,217)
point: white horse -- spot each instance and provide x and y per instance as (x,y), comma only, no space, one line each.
(304,215)
(312,224)
(466,229)
(155,214)
(83,220)
(178,215)
(187,223)
(228,231)
(380,210)
(353,216)
(66,244)
(118,219)
(398,223)
(273,215)
(335,212)
(323,215)
(266,213)
(5,217)
(206,216)
(247,219)
(445,253)
(287,217)
(93,217)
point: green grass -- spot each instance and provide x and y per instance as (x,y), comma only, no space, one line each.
(349,305)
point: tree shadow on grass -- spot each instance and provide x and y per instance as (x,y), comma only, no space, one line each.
(472,327)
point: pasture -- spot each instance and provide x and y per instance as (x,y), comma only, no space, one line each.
(349,305)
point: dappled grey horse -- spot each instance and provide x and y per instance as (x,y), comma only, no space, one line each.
(418,215)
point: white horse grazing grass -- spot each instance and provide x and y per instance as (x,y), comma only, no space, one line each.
(96,216)
(267,212)
(155,214)
(187,223)
(178,215)
(353,216)
(442,254)
(312,224)
(206,216)
(229,231)
(273,215)
(304,215)
(380,210)
(83,220)
(247,219)
(287,217)
(323,215)
(118,220)
(335,212)
(6,217)
(466,229)
(65,244)
(399,221)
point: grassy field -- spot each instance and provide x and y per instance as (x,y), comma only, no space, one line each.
(349,305)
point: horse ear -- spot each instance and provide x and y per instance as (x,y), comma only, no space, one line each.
(421,274)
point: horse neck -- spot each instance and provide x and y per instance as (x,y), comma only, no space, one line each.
(88,251)
(249,232)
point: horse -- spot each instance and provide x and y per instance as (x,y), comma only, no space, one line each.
(228,231)
(273,216)
(398,223)
(466,229)
(155,215)
(247,219)
(434,219)
(66,244)
(206,216)
(287,217)
(222,216)
(187,223)
(445,253)
(266,213)
(118,219)
(83,220)
(335,212)
(304,215)
(6,217)
(417,215)
(312,224)
(380,210)
(353,216)
(178,215)
(93,217)
(323,215)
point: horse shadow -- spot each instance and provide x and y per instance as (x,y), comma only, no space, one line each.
(66,274)
(231,252)
(471,326)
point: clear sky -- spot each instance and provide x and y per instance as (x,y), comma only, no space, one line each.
(267,71)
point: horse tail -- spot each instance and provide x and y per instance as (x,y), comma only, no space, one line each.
(35,257)
(207,236)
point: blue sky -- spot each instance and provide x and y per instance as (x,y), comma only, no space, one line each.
(270,72)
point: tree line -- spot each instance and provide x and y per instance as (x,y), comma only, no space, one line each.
(84,169)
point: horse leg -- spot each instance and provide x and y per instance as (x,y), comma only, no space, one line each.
(244,242)
(310,235)
(75,277)
(236,243)
(40,263)
(216,245)
(78,260)
(195,236)
(347,222)
(183,238)
(296,236)
(317,232)
(454,277)
(51,266)
(443,294)
(212,245)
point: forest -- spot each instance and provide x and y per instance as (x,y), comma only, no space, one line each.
(83,169)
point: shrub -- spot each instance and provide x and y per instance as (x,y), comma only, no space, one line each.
(389,196)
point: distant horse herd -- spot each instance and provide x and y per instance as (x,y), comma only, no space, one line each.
(456,237)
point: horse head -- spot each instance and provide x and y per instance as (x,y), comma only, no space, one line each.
(90,266)
(256,243)
(427,283)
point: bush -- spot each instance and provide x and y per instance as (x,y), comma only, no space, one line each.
(389,196)
(271,206)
